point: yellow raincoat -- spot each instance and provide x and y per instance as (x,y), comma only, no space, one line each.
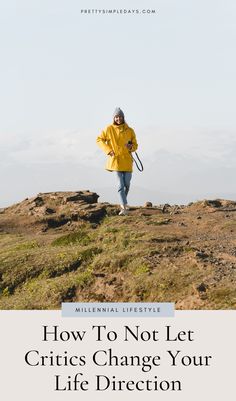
(115,137)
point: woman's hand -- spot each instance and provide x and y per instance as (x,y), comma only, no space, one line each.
(129,146)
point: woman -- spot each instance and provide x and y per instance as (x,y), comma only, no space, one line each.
(118,140)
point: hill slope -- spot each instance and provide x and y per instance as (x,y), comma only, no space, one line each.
(65,246)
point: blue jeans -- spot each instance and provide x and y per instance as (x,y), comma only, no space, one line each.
(124,178)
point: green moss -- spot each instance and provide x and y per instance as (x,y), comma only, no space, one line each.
(79,237)
(223,298)
(112,230)
(142,269)
(47,293)
(188,249)
(5,292)
(158,222)
(26,245)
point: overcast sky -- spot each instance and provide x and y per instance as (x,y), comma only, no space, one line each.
(63,72)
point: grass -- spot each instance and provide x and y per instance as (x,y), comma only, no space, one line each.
(158,222)
(80,237)
(135,258)
(48,271)
(223,298)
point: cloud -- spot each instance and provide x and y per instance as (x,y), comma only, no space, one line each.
(69,159)
(188,174)
(80,145)
(56,146)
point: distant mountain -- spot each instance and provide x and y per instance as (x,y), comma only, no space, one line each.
(167,178)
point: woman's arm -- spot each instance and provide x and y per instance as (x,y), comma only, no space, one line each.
(134,142)
(104,143)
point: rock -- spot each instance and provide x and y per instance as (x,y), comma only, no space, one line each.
(213,203)
(49,210)
(93,214)
(38,201)
(201,255)
(55,209)
(165,207)
(74,216)
(86,196)
(57,221)
(100,275)
(148,204)
(85,206)
(202,287)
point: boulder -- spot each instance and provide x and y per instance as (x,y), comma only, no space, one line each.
(148,204)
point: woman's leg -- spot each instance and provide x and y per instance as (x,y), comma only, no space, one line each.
(124,178)
(127,179)
(122,187)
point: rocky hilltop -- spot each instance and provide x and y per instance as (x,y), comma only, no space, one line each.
(66,246)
